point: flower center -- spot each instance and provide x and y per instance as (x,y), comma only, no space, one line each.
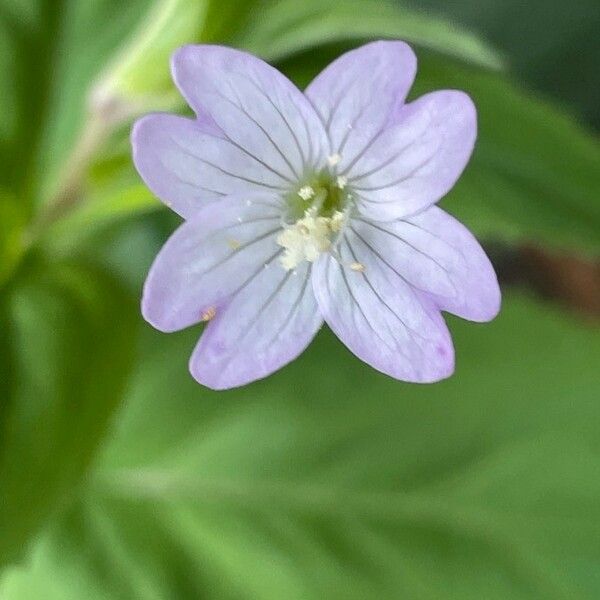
(318,209)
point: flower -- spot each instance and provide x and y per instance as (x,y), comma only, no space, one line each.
(304,208)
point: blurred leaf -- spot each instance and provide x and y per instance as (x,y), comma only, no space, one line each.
(66,351)
(12,222)
(139,74)
(281,28)
(329,480)
(555,49)
(113,192)
(51,50)
(8,95)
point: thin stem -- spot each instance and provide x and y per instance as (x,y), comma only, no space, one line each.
(104,115)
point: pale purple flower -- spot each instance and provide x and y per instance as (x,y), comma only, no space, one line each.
(304,208)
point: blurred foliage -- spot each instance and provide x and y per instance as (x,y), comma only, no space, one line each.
(66,351)
(327,480)
(53,49)
(553,46)
(281,28)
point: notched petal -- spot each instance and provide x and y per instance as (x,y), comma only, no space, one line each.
(438,235)
(418,159)
(208,258)
(267,323)
(253,104)
(358,94)
(188,165)
(381,317)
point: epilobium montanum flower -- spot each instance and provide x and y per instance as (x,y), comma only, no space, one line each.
(304,208)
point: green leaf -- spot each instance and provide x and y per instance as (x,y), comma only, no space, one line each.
(285,27)
(329,480)
(68,340)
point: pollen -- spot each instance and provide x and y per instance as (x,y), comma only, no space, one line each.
(307,238)
(337,220)
(208,314)
(233,244)
(306,192)
(334,160)
(341,182)
(358,267)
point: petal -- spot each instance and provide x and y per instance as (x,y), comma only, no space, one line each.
(416,161)
(268,323)
(187,164)
(253,104)
(477,295)
(208,258)
(437,255)
(380,317)
(357,94)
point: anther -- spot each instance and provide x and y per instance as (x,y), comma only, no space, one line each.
(341,182)
(306,192)
(336,221)
(334,159)
(209,314)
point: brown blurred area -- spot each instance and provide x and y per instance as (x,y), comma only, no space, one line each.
(566,279)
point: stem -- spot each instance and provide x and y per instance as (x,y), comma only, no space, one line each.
(68,194)
(105,114)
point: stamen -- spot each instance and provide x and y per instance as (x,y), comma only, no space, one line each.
(334,160)
(306,192)
(306,239)
(208,314)
(341,182)
(337,220)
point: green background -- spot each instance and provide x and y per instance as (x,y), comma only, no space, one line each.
(121,478)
